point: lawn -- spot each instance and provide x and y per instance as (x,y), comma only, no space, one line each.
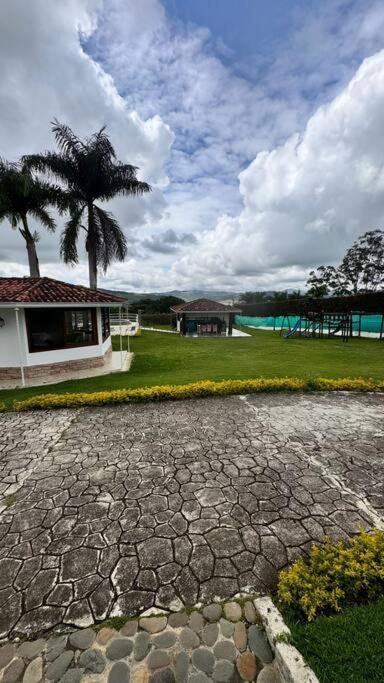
(346,647)
(170,359)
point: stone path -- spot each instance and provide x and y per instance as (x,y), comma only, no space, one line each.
(114,510)
(221,643)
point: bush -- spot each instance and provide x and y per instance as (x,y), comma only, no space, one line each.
(335,575)
(160,393)
(193,390)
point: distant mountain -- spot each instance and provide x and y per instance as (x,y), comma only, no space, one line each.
(187,295)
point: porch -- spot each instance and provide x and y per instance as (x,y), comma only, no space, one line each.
(115,361)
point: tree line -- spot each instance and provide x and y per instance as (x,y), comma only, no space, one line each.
(71,180)
(361,271)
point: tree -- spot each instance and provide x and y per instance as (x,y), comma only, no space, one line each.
(90,172)
(295,294)
(152,305)
(252,297)
(361,270)
(22,195)
(280,296)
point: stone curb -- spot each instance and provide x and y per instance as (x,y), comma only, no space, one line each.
(288,660)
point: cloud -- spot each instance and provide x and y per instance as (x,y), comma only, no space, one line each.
(202,127)
(305,201)
(168,242)
(45,74)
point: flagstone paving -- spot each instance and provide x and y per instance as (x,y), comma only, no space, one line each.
(114,510)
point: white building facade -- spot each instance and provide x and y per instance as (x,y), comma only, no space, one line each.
(49,327)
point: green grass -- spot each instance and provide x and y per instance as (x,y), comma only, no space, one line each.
(346,647)
(170,359)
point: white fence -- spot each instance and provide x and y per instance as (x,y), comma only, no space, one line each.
(125,324)
(125,318)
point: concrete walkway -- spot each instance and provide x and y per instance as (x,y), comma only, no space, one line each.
(110,511)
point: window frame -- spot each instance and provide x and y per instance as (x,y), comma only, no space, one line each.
(105,323)
(69,309)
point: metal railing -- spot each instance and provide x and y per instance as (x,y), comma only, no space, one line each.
(123,319)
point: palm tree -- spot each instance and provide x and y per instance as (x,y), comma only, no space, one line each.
(21,196)
(90,172)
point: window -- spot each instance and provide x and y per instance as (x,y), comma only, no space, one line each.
(60,328)
(105,324)
(79,327)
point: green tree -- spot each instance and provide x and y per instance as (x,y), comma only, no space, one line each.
(361,270)
(280,296)
(252,297)
(90,173)
(23,196)
(152,305)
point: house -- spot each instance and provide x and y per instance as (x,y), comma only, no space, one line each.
(203,317)
(51,328)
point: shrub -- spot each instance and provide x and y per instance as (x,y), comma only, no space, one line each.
(193,390)
(346,384)
(160,393)
(335,575)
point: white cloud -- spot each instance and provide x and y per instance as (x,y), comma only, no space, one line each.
(307,200)
(46,74)
(127,64)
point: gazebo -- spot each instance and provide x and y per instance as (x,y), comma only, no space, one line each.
(49,329)
(204,317)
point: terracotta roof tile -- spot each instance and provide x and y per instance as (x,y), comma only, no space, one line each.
(25,290)
(203,306)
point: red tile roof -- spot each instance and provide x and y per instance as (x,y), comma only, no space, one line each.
(28,290)
(203,306)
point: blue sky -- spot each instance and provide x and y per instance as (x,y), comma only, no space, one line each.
(217,102)
(247,28)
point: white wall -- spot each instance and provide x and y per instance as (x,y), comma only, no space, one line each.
(9,349)
(9,352)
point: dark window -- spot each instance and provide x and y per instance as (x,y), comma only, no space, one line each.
(79,327)
(105,325)
(56,328)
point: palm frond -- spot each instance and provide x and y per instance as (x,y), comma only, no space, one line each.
(69,237)
(101,143)
(66,139)
(42,215)
(112,241)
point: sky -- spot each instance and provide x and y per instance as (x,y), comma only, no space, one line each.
(258,124)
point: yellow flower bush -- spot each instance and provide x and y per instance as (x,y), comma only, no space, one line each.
(348,384)
(160,393)
(335,575)
(194,390)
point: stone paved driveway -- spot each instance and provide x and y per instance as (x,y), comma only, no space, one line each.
(115,510)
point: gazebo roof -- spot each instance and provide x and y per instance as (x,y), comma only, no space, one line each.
(46,290)
(203,306)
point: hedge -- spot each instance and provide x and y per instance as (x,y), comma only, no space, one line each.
(193,390)
(334,576)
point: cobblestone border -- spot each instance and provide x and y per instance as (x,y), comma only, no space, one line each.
(222,642)
(288,660)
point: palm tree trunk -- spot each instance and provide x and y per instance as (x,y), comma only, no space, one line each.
(33,261)
(90,246)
